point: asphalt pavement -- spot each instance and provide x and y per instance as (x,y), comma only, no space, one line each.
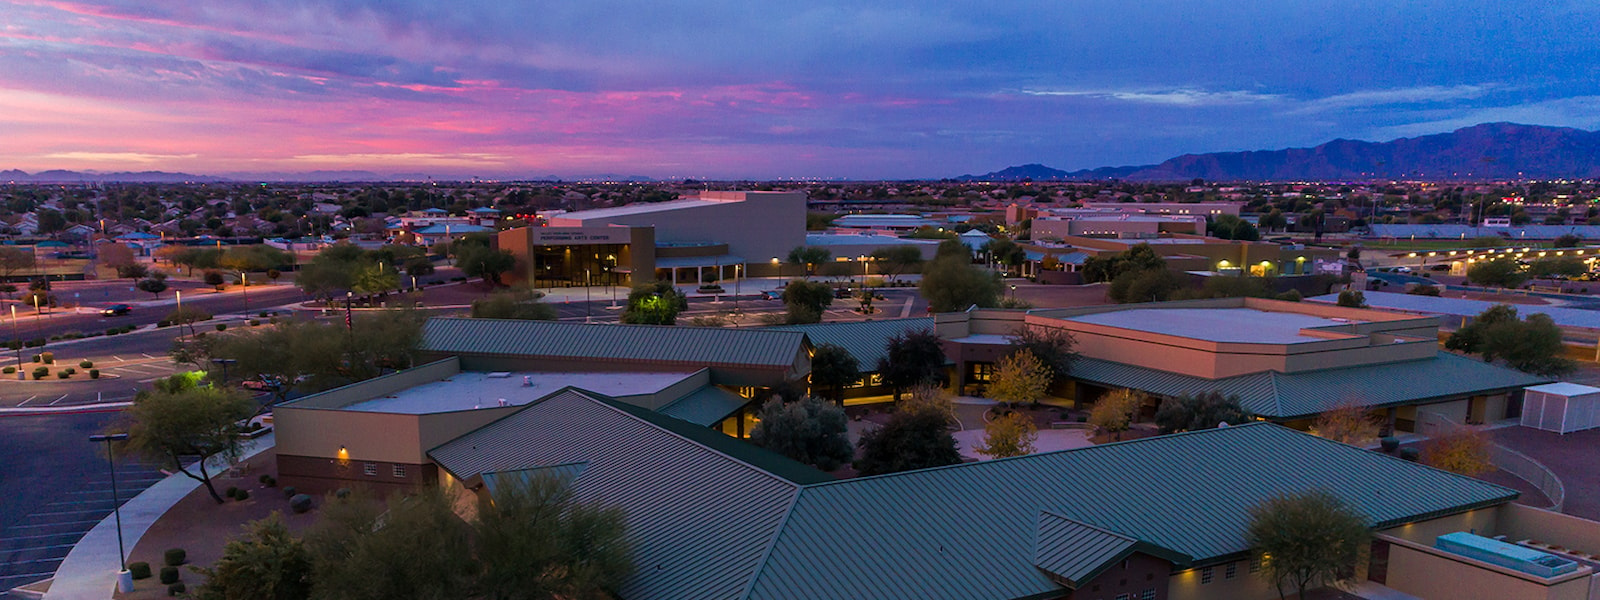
(56,485)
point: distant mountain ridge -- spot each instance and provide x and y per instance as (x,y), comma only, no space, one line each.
(1486,151)
(60,176)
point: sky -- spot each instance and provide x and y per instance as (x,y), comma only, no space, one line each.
(763,89)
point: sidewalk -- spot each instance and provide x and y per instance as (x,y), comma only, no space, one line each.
(90,570)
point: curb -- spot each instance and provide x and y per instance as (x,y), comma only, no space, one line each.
(74,409)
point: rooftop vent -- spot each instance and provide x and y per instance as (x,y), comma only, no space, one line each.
(498,375)
(1510,556)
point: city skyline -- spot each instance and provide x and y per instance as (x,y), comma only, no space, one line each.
(760,90)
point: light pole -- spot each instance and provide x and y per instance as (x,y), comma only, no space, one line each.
(224,362)
(18,336)
(124,578)
(588,297)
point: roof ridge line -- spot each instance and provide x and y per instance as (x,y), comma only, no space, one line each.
(612,404)
(772,544)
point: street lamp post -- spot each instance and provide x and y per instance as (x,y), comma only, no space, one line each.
(18,336)
(124,578)
(588,297)
(224,362)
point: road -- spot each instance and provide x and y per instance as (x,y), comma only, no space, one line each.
(53,497)
(127,363)
(60,322)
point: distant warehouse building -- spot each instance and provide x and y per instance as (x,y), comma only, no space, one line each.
(715,236)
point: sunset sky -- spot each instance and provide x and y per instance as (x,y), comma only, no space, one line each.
(763,88)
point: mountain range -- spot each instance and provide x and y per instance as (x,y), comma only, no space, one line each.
(1481,152)
(61,176)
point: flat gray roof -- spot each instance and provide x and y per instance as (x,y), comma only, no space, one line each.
(1463,307)
(473,390)
(1236,325)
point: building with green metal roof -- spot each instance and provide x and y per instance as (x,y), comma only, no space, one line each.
(1285,361)
(1160,517)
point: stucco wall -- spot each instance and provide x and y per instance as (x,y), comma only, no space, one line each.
(1484,522)
(1185,585)
(1520,522)
(1432,574)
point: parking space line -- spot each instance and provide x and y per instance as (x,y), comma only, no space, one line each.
(63,523)
(37,560)
(22,575)
(118,358)
(40,537)
(28,548)
(30,399)
(68,512)
(147,355)
(63,397)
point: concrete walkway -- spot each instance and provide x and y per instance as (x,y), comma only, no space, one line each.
(90,570)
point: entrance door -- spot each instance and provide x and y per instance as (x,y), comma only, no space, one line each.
(1378,566)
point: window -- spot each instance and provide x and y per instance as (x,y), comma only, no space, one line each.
(370,470)
(400,471)
(1148,594)
(1122,597)
(982,372)
(1205,574)
(1255,564)
(1230,571)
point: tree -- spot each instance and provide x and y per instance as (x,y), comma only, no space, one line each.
(1006,252)
(894,260)
(485,262)
(1567,240)
(1020,377)
(1231,227)
(170,426)
(912,358)
(1503,272)
(811,431)
(1273,220)
(833,368)
(1141,257)
(314,356)
(1306,540)
(655,303)
(1533,345)
(1052,346)
(266,563)
(412,548)
(1010,435)
(154,285)
(519,303)
(952,283)
(537,541)
(132,270)
(374,279)
(239,260)
(1147,285)
(1348,423)
(1460,450)
(214,279)
(910,440)
(929,398)
(14,259)
(419,266)
(1352,299)
(808,257)
(805,301)
(1114,412)
(1200,411)
(1562,266)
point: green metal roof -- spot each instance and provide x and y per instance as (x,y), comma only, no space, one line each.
(1076,552)
(497,480)
(705,406)
(1292,395)
(969,531)
(867,341)
(699,519)
(699,346)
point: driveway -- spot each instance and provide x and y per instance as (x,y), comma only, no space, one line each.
(1571,457)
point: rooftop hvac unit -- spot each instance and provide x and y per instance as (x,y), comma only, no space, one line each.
(1561,407)
(1510,556)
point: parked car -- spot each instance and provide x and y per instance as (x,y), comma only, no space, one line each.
(116,310)
(772,295)
(841,292)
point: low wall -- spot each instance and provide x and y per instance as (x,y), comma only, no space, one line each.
(1427,572)
(1531,471)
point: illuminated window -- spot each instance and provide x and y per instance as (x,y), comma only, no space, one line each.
(982,372)
(400,471)
(371,470)
(1230,571)
(1206,574)
(1148,594)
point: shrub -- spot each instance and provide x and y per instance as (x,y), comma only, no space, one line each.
(232,491)
(242,495)
(37,358)
(341,493)
(140,570)
(169,575)
(264,314)
(48,357)
(94,373)
(177,589)
(114,331)
(300,503)
(10,370)
(70,370)
(62,375)
(289,491)
(254,323)
(86,364)
(40,372)
(175,556)
(35,342)
(263,478)
(222,326)
(270,482)
(1410,453)
(255,426)
(163,323)
(1390,444)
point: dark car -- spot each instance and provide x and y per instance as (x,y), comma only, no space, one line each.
(116,310)
(841,292)
(772,295)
